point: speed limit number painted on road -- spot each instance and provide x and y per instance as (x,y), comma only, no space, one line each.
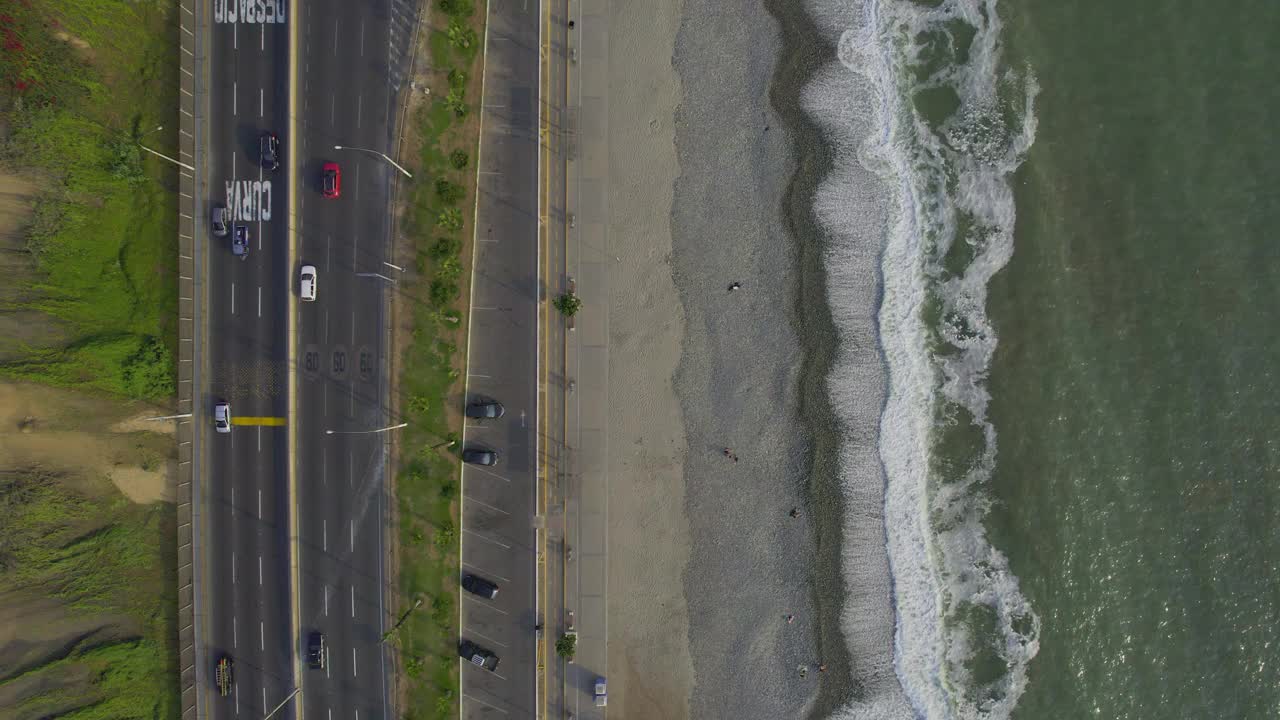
(339,363)
(366,363)
(311,362)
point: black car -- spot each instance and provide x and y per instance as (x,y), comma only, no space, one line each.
(477,655)
(479,586)
(485,410)
(480,456)
(317,651)
(269,150)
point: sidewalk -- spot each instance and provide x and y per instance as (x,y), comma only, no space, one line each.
(578,218)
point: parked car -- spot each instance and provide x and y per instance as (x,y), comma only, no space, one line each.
(478,656)
(307,283)
(485,410)
(269,150)
(479,586)
(222,417)
(480,456)
(240,243)
(602,695)
(220,219)
(331,180)
(317,651)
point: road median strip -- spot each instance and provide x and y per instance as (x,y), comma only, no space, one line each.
(276,421)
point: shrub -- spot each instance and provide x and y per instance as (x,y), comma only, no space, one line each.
(457,8)
(444,247)
(568,304)
(567,646)
(443,292)
(450,269)
(148,372)
(450,219)
(444,540)
(461,36)
(450,193)
(457,79)
(459,159)
(456,102)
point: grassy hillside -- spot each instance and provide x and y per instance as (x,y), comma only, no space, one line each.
(81,82)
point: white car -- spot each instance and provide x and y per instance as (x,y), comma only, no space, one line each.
(602,693)
(307,283)
(222,417)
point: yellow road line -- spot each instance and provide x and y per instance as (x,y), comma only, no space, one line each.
(278,421)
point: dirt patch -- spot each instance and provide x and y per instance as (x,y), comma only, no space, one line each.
(88,436)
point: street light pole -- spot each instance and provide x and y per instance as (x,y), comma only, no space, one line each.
(170,417)
(379,154)
(282,702)
(365,432)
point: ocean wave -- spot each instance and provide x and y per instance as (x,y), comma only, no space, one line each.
(926,127)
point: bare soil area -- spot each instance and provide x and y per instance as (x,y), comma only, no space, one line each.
(84,435)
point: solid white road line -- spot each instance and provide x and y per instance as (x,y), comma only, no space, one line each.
(262,43)
(359,109)
(262,635)
(362,38)
(259,569)
(473,500)
(237,700)
(353,662)
(482,571)
(495,542)
(234,103)
(233,312)
(264,699)
(259,287)
(259,448)
(324,524)
(259,504)
(235,36)
(233,568)
(234,634)
(326,601)
(353,601)
(353,535)
(261,102)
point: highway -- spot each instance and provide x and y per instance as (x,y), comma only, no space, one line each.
(348,68)
(499,503)
(349,54)
(247,548)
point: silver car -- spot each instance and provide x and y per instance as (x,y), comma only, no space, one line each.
(220,218)
(222,417)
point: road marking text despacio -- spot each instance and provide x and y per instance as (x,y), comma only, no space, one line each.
(249,200)
(248,11)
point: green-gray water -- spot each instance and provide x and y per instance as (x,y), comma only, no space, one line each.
(1135,392)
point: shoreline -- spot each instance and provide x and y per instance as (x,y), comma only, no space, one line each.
(804,53)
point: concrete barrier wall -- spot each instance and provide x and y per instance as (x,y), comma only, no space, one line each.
(191,289)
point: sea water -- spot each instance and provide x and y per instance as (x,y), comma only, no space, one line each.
(1071,209)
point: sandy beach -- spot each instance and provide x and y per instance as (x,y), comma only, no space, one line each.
(706,560)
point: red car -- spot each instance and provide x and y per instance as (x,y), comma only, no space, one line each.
(332,180)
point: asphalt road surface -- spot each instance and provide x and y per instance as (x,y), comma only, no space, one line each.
(350,63)
(248,552)
(350,58)
(499,503)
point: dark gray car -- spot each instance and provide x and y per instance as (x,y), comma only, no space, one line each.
(485,410)
(479,586)
(477,655)
(269,150)
(480,456)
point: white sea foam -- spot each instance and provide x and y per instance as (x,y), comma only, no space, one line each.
(909,191)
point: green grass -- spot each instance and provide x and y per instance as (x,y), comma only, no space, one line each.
(439,219)
(104,237)
(97,554)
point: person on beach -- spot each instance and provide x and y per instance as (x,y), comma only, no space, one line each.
(791,619)
(795,512)
(734,286)
(728,452)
